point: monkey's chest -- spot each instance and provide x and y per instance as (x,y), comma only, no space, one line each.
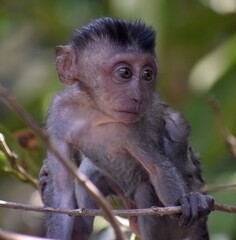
(107,151)
(125,171)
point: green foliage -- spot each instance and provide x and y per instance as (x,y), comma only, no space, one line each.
(3,161)
(23,156)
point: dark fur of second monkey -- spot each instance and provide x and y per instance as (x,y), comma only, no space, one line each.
(160,135)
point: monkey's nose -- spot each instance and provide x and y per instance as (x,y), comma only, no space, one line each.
(135,100)
(137,103)
(136,97)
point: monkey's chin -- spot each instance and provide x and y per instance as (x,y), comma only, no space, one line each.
(127,117)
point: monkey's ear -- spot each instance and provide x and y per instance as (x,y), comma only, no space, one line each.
(65,64)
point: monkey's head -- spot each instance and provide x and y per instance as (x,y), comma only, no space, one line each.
(114,62)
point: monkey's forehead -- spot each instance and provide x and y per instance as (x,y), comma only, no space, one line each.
(105,49)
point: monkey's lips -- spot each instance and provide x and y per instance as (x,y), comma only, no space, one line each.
(128,116)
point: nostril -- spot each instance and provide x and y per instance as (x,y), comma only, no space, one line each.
(135,100)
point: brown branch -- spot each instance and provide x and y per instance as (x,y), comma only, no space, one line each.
(5,235)
(161,211)
(23,175)
(9,100)
(228,136)
(225,208)
(218,188)
(92,212)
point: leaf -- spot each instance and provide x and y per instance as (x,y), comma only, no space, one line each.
(3,160)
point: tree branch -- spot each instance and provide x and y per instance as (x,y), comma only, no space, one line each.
(92,212)
(11,102)
(161,211)
(228,136)
(218,188)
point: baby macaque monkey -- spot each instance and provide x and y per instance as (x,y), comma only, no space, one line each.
(130,142)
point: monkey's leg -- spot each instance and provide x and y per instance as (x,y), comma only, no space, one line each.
(151,227)
(84,225)
(56,188)
(155,227)
(200,231)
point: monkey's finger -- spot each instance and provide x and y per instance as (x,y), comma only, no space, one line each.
(44,172)
(194,206)
(206,204)
(185,211)
(42,185)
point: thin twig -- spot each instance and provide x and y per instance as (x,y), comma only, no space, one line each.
(24,176)
(9,100)
(228,136)
(218,188)
(161,211)
(92,212)
(225,208)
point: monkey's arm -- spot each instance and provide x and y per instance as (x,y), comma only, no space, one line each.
(166,180)
(187,165)
(171,188)
(56,189)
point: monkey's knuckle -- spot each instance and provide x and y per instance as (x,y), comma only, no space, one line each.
(43,172)
(210,200)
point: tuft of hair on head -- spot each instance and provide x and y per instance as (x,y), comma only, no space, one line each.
(121,33)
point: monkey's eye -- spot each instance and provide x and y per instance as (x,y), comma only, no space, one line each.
(125,73)
(147,75)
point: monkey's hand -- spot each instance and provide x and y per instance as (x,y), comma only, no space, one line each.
(194,206)
(43,179)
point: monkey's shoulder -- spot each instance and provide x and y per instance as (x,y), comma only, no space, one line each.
(69,111)
(175,126)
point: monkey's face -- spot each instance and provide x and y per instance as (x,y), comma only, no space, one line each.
(121,82)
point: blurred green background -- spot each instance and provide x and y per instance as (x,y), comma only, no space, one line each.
(196,46)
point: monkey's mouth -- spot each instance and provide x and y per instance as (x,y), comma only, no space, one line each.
(135,113)
(128,116)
